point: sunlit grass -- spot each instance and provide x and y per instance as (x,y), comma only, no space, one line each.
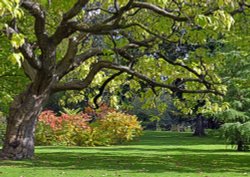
(156,154)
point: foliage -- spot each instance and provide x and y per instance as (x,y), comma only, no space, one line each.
(12,78)
(71,111)
(74,129)
(155,117)
(236,134)
(120,127)
(11,8)
(52,129)
(182,32)
(237,78)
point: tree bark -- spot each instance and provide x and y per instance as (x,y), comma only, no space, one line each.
(199,126)
(19,137)
(240,146)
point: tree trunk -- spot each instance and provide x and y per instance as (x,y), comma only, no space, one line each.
(240,146)
(19,137)
(199,126)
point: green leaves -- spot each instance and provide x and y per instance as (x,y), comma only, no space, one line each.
(237,134)
(220,19)
(16,58)
(10,7)
(226,19)
(17,40)
(202,20)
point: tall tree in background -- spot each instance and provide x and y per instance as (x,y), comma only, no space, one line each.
(236,129)
(65,39)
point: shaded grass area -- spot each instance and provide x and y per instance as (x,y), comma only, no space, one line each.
(156,154)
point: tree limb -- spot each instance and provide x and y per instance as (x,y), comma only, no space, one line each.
(201,77)
(65,29)
(160,11)
(26,49)
(74,10)
(79,59)
(101,89)
(68,58)
(81,84)
(30,64)
(40,18)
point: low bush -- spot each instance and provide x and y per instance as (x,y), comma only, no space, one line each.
(109,127)
(120,127)
(237,134)
(52,129)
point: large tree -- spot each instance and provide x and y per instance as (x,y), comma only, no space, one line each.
(145,39)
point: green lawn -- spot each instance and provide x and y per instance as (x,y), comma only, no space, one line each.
(156,154)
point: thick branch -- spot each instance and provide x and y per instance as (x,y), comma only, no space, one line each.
(74,10)
(68,28)
(68,58)
(117,16)
(65,28)
(36,11)
(29,70)
(97,29)
(79,85)
(79,59)
(28,52)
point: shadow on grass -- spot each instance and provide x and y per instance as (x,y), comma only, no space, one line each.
(153,154)
(175,139)
(207,163)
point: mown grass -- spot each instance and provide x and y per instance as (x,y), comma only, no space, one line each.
(157,154)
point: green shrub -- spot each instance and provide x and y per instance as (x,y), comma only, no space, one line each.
(120,127)
(237,134)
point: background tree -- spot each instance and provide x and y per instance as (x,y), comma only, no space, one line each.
(63,42)
(236,75)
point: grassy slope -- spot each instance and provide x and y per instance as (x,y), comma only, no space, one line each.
(160,154)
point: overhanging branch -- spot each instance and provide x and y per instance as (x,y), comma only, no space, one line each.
(81,84)
(160,11)
(101,89)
